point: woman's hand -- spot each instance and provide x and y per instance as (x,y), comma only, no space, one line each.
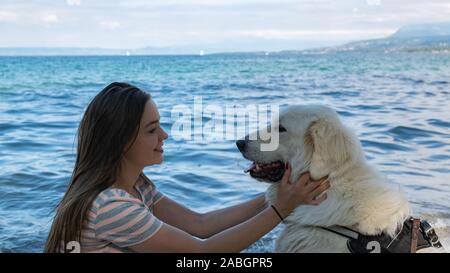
(304,191)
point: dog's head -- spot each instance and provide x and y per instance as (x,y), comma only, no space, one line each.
(311,138)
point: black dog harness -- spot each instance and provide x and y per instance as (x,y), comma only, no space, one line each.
(413,235)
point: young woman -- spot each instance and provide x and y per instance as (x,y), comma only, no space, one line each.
(111,206)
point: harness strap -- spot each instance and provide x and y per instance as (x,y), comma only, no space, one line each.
(430,233)
(414,234)
(343,231)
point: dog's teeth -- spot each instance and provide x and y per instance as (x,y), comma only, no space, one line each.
(251,167)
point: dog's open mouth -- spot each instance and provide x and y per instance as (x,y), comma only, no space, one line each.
(272,171)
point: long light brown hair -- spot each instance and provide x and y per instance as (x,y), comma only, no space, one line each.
(109,126)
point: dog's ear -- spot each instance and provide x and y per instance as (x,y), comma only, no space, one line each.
(331,141)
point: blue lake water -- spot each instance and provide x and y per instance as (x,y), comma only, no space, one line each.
(399,105)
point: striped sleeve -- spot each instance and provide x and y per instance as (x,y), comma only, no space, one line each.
(125,222)
(151,193)
(156,195)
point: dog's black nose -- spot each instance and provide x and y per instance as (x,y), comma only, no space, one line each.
(241,145)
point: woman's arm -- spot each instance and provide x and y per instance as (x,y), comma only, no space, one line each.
(207,224)
(221,219)
(239,237)
(171,239)
(177,215)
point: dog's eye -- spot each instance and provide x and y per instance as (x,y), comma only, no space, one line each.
(281,128)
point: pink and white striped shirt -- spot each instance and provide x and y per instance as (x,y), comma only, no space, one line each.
(118,220)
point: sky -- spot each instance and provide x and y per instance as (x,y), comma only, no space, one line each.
(220,24)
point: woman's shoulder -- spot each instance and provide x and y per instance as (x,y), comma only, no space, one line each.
(111,195)
(149,191)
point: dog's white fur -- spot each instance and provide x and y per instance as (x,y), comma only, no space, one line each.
(359,197)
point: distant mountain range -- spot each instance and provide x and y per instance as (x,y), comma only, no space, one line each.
(67,51)
(420,37)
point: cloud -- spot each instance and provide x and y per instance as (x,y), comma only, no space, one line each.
(264,34)
(179,22)
(373,2)
(50,19)
(325,34)
(207,3)
(8,16)
(111,25)
(73,2)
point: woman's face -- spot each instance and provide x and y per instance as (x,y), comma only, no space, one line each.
(147,148)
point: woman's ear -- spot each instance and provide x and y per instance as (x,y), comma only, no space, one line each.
(331,141)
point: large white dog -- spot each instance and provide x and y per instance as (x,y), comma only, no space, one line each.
(312,138)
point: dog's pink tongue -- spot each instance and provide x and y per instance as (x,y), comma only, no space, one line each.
(250,168)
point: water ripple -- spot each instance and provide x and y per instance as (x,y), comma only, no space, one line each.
(398,105)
